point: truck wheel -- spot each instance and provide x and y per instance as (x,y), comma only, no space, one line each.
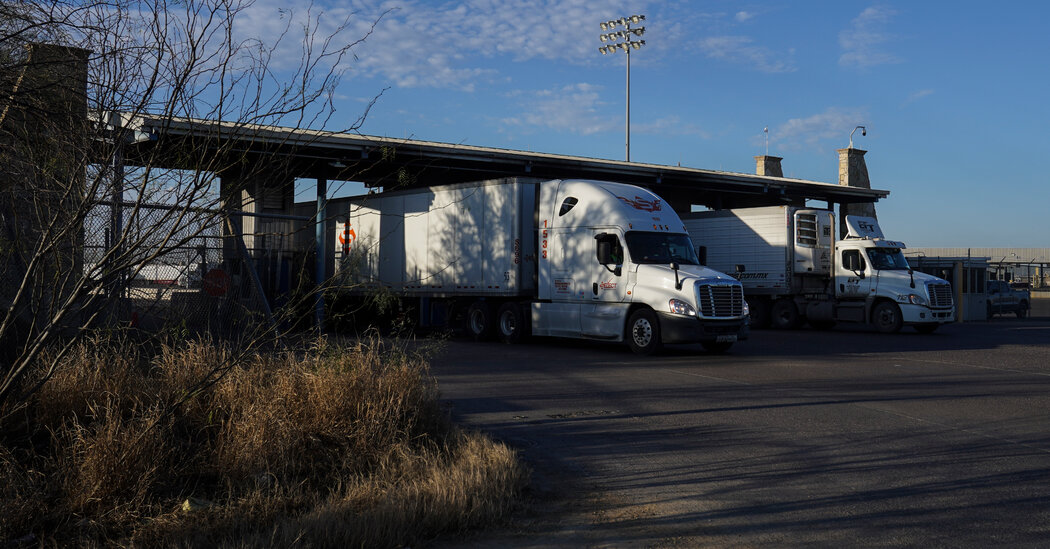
(716,347)
(480,324)
(643,332)
(759,312)
(887,318)
(1023,311)
(926,328)
(510,323)
(784,314)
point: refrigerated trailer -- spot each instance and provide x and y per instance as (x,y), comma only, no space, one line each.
(794,271)
(570,258)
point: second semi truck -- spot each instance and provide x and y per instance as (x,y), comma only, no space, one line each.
(794,271)
(570,258)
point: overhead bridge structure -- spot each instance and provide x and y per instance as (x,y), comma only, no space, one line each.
(389,163)
(258,165)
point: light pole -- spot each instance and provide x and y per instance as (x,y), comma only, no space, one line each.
(622,40)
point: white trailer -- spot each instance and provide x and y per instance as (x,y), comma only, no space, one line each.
(793,270)
(569,258)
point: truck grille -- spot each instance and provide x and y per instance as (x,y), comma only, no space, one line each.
(720,300)
(940,295)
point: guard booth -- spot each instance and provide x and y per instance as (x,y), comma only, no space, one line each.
(969,279)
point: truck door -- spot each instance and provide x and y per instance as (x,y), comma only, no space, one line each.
(606,288)
(853,278)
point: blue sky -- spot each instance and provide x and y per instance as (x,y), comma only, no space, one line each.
(954,95)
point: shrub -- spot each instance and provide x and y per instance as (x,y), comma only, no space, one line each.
(336,445)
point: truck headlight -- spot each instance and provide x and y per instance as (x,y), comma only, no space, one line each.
(747,309)
(914,299)
(680,307)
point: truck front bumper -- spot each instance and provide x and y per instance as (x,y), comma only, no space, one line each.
(919,314)
(690,329)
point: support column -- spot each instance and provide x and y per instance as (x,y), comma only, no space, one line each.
(319,226)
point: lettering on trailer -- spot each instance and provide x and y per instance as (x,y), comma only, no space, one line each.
(827,230)
(563,286)
(642,204)
(607,285)
(750,276)
(517,251)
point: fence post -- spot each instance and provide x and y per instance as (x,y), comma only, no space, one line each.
(319,276)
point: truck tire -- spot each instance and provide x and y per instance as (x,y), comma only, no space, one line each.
(643,332)
(481,324)
(716,347)
(887,317)
(510,323)
(1023,311)
(759,312)
(784,314)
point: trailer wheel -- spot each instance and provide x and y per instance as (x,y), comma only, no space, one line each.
(887,318)
(643,332)
(784,314)
(510,323)
(759,312)
(480,322)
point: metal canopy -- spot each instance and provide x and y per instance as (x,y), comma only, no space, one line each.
(404,163)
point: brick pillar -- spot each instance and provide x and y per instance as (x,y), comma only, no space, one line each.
(853,172)
(769,165)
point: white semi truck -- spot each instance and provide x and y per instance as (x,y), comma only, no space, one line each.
(570,258)
(794,271)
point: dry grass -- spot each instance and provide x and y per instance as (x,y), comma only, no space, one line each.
(336,447)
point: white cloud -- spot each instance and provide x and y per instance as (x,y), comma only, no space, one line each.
(742,16)
(573,108)
(425,44)
(834,124)
(742,49)
(862,42)
(918,95)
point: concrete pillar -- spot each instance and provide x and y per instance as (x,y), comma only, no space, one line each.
(43,158)
(769,165)
(853,172)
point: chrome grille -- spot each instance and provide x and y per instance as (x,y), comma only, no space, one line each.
(720,300)
(940,295)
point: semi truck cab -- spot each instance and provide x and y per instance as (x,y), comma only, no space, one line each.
(873,270)
(615,263)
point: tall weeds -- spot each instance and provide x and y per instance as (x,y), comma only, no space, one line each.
(336,447)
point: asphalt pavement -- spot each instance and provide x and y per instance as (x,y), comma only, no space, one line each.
(843,437)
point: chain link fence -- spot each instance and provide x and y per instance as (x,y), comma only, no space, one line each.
(231,277)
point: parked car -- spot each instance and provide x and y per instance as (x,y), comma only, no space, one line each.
(1002,298)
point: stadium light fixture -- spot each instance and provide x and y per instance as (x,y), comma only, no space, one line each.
(622,40)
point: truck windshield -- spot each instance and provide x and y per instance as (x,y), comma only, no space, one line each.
(661,248)
(888,259)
